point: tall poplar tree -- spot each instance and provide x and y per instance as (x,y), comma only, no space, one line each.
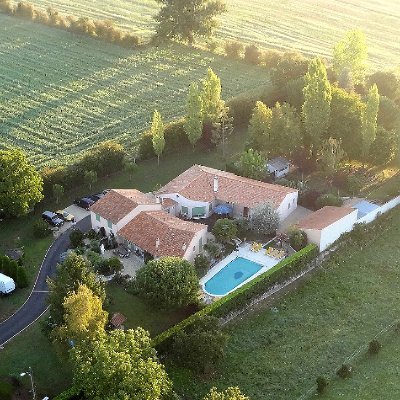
(351,53)
(222,129)
(259,125)
(369,122)
(194,118)
(211,96)
(317,103)
(157,133)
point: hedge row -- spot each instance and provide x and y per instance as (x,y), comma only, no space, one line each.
(282,271)
(104,30)
(104,159)
(69,394)
(13,270)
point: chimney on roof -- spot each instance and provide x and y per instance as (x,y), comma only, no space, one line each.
(158,200)
(215,184)
(157,243)
(184,247)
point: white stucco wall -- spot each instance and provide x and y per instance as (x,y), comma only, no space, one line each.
(313,236)
(288,205)
(184,202)
(96,225)
(193,247)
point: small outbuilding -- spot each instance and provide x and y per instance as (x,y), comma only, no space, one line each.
(278,166)
(325,226)
(117,321)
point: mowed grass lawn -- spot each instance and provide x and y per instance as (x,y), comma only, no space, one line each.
(61,93)
(278,353)
(311,26)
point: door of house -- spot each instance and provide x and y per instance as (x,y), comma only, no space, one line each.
(245,212)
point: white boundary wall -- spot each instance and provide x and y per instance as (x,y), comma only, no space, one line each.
(380,210)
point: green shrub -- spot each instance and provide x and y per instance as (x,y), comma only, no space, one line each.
(374,347)
(282,271)
(297,238)
(115,264)
(76,238)
(168,282)
(322,384)
(21,278)
(225,230)
(271,58)
(41,229)
(201,263)
(200,347)
(329,200)
(345,371)
(252,54)
(234,50)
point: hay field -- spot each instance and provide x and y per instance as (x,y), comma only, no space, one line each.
(312,26)
(60,93)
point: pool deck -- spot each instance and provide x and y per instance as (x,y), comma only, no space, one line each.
(244,251)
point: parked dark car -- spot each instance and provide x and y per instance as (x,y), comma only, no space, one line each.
(84,202)
(96,197)
(52,218)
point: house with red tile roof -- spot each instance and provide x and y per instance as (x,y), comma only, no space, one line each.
(118,207)
(159,234)
(325,226)
(198,190)
(144,225)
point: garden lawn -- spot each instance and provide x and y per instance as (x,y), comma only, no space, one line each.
(33,349)
(278,353)
(62,93)
(311,26)
(140,313)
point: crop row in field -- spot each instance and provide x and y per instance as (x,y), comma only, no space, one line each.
(60,93)
(312,26)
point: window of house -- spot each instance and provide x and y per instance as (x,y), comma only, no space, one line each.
(98,217)
(194,248)
(288,206)
(184,210)
(198,211)
(200,243)
(109,224)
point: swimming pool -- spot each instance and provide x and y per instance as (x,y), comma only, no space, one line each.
(231,276)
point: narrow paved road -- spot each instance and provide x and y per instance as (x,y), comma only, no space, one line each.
(36,304)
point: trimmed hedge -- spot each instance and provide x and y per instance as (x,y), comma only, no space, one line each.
(240,297)
(69,394)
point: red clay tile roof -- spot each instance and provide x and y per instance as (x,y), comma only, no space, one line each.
(166,203)
(324,217)
(117,320)
(197,183)
(171,233)
(117,203)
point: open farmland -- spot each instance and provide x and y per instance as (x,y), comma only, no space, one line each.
(61,93)
(312,26)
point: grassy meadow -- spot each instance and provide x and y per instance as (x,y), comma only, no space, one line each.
(339,308)
(311,26)
(61,93)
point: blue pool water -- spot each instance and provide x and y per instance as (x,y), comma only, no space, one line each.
(232,275)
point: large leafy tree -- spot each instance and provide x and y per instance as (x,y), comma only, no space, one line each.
(72,273)
(185,19)
(316,109)
(369,122)
(225,229)
(194,115)
(264,219)
(259,126)
(284,130)
(351,53)
(120,365)
(222,129)
(252,164)
(211,96)
(20,184)
(84,317)
(168,282)
(346,118)
(157,135)
(232,393)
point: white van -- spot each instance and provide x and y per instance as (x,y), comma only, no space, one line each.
(7,284)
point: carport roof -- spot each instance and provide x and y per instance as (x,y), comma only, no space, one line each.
(364,207)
